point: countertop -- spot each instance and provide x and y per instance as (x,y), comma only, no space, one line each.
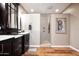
(22,33)
(5,37)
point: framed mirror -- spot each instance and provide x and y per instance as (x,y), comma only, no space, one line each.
(12,14)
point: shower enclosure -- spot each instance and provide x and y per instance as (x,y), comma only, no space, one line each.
(45,29)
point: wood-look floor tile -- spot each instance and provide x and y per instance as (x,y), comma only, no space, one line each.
(55,51)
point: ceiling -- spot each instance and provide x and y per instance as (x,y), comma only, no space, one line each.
(45,7)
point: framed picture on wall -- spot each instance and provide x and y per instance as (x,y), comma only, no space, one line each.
(61,25)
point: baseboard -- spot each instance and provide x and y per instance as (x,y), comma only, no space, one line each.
(60,45)
(66,46)
(50,46)
(74,48)
(32,49)
(34,45)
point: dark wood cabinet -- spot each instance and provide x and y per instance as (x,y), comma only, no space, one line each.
(14,46)
(11,47)
(6,47)
(21,45)
(17,43)
(26,42)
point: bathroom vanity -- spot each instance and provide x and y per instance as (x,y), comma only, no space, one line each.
(14,45)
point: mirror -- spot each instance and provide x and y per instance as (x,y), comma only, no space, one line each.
(12,9)
(13,25)
(12,16)
(9,18)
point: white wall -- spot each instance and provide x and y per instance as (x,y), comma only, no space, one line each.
(35,32)
(59,39)
(34,20)
(74,24)
(25,21)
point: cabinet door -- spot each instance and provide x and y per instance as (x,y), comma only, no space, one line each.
(26,42)
(6,47)
(18,46)
(0,49)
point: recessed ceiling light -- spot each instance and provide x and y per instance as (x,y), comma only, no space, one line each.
(57,10)
(32,10)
